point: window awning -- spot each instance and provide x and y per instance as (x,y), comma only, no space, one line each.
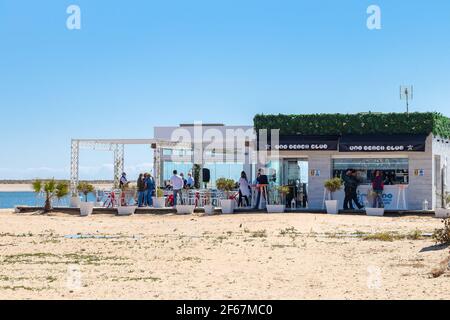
(382,143)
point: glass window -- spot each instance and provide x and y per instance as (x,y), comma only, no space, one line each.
(224,170)
(177,152)
(395,170)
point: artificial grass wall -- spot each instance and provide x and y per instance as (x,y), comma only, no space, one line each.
(360,123)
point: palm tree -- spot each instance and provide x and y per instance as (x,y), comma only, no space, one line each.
(51,189)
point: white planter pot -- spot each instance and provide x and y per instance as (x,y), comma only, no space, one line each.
(376,212)
(159,202)
(276,208)
(442,213)
(185,209)
(86,208)
(126,211)
(75,202)
(209,209)
(332,206)
(227,206)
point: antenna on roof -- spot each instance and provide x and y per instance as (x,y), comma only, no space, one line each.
(406,93)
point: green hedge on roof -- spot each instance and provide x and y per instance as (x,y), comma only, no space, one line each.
(360,123)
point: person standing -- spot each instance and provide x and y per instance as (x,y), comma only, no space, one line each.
(354,188)
(141,190)
(378,188)
(244,189)
(350,189)
(123,185)
(123,182)
(347,177)
(149,189)
(261,185)
(184,180)
(177,184)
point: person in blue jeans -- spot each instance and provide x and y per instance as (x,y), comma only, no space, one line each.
(141,190)
(149,189)
(378,188)
(177,184)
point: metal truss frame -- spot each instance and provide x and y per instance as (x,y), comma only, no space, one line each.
(117,146)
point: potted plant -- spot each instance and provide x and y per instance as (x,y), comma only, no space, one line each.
(75,200)
(443,212)
(126,210)
(277,199)
(51,189)
(86,207)
(226,185)
(332,185)
(185,208)
(159,201)
(209,208)
(127,206)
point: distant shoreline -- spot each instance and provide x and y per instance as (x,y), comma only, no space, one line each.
(27,187)
(6,181)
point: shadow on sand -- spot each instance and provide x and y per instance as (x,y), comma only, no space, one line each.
(435,247)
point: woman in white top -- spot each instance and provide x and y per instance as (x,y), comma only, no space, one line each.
(244,189)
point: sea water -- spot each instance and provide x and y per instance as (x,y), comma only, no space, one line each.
(26,198)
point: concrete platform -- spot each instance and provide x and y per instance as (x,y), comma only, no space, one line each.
(164,211)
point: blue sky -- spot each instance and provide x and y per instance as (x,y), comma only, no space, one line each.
(137,64)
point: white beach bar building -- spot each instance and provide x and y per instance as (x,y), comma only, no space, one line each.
(414,164)
(303,155)
(412,177)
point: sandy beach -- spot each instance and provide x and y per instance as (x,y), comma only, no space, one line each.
(16,187)
(252,256)
(23,187)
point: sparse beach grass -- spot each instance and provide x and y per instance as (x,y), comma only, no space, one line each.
(297,256)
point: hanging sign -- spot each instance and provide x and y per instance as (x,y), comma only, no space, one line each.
(381,143)
(302,143)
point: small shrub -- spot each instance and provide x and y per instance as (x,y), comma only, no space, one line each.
(159,193)
(442,236)
(380,236)
(259,234)
(414,235)
(442,268)
(290,230)
(333,185)
(85,188)
(225,185)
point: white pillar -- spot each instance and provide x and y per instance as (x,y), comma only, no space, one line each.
(74,165)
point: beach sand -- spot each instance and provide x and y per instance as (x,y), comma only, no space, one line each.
(251,256)
(15,187)
(22,187)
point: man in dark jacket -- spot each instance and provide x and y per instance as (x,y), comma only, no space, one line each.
(262,182)
(347,189)
(350,187)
